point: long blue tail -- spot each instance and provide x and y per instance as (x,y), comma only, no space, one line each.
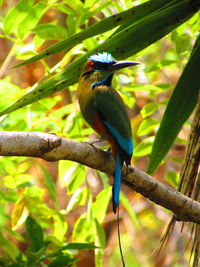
(117,182)
(115,196)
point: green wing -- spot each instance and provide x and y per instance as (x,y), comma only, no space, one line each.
(113,112)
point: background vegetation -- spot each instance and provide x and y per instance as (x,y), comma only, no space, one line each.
(53,214)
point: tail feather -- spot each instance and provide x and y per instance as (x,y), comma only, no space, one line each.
(117,182)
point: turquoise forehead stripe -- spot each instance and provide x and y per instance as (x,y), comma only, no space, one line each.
(126,144)
(102,57)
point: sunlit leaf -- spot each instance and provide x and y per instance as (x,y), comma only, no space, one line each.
(82,230)
(50,32)
(144,87)
(63,8)
(149,109)
(60,227)
(147,126)
(160,64)
(49,182)
(16,15)
(100,240)
(18,211)
(144,147)
(172,178)
(9,181)
(33,16)
(78,198)
(182,43)
(74,177)
(99,207)
(130,209)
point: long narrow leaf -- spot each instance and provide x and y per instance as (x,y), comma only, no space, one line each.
(160,5)
(150,29)
(122,45)
(130,15)
(179,108)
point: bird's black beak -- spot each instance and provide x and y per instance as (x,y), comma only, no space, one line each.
(122,64)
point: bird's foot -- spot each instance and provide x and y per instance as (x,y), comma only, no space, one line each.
(92,145)
(95,141)
(98,140)
(129,169)
(92,142)
(108,150)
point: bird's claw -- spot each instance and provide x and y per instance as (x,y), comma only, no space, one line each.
(91,143)
(108,150)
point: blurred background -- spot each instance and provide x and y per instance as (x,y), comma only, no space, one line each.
(63,196)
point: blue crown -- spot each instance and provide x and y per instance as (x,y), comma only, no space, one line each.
(102,57)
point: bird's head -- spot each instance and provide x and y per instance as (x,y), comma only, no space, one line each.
(100,67)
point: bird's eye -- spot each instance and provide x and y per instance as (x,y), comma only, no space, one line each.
(100,66)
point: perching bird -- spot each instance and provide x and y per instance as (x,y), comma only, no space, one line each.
(103,109)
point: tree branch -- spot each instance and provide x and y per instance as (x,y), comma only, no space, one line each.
(53,148)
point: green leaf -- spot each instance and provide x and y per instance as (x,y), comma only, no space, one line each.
(14,265)
(16,15)
(17,212)
(100,240)
(149,109)
(49,182)
(35,234)
(59,226)
(35,257)
(8,247)
(144,147)
(78,198)
(144,87)
(50,32)
(130,209)
(160,64)
(75,5)
(79,246)
(147,126)
(152,6)
(74,177)
(133,14)
(182,43)
(82,230)
(90,3)
(172,178)
(99,207)
(179,108)
(33,16)
(63,261)
(63,8)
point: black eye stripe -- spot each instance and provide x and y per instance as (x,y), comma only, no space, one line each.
(98,66)
(101,66)
(88,72)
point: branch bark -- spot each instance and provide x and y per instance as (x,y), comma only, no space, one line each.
(53,148)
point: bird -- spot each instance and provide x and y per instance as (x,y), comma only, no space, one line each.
(104,110)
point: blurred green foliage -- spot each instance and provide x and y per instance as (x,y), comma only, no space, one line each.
(82,27)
